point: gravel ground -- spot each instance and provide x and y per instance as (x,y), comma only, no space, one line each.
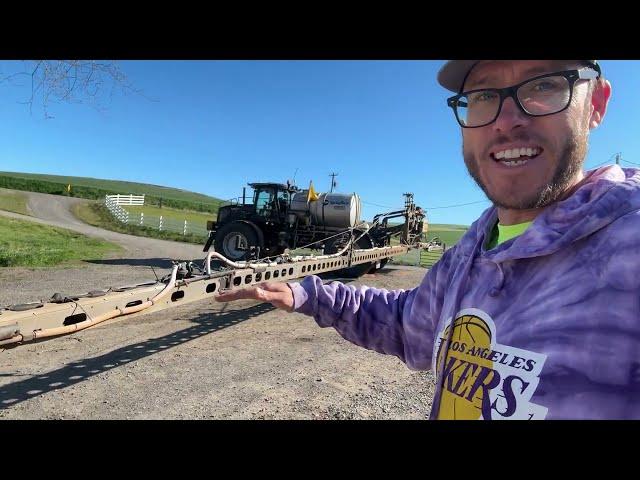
(203,360)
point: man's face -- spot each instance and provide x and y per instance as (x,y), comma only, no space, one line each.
(556,144)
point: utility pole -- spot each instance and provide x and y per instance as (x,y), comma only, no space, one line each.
(333,181)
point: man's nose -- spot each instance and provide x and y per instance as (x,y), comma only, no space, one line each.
(510,117)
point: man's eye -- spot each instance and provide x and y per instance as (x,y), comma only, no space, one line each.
(481,97)
(545,85)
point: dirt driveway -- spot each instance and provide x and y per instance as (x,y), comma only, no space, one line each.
(199,361)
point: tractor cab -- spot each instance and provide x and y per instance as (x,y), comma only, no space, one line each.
(272,200)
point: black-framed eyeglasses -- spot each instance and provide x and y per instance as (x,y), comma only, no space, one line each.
(539,96)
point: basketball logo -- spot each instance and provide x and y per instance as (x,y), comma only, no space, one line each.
(470,344)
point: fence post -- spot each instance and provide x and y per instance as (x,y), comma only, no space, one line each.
(184,231)
(160,225)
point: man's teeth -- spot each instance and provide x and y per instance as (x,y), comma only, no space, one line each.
(516,153)
(514,163)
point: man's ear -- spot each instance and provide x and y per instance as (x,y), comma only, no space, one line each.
(599,101)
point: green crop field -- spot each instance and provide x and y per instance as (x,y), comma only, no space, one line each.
(13,202)
(29,244)
(449,234)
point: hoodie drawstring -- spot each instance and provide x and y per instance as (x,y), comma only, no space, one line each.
(495,290)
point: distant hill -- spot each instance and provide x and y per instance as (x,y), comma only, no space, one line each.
(96,188)
(448,226)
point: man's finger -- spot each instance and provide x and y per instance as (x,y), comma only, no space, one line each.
(240,294)
(274,287)
(278,294)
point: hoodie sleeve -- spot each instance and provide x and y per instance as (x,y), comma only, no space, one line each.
(397,322)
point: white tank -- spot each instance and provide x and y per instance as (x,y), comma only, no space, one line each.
(330,210)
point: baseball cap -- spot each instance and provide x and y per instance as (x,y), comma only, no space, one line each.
(453,73)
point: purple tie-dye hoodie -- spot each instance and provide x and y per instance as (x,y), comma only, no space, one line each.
(547,325)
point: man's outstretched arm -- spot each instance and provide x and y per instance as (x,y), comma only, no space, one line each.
(373,318)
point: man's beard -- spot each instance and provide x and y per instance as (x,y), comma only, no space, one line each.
(570,163)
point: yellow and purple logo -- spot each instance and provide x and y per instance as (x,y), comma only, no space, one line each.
(483,379)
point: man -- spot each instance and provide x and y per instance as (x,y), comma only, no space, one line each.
(544,287)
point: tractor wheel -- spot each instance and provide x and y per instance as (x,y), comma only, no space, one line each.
(235,240)
(378,265)
(336,244)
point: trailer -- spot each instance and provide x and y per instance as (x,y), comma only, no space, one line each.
(65,314)
(189,282)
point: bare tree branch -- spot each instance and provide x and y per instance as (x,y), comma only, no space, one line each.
(90,82)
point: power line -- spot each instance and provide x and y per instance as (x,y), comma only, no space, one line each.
(632,163)
(427,208)
(600,164)
(459,205)
(618,158)
(378,205)
(485,201)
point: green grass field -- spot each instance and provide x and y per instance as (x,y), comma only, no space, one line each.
(447,226)
(195,218)
(28,244)
(449,234)
(96,214)
(13,202)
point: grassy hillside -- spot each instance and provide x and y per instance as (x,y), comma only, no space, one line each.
(98,215)
(93,188)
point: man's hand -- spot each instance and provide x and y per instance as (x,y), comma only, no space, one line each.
(277,294)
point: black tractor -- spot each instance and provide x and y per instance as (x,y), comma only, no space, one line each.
(282,217)
(253,230)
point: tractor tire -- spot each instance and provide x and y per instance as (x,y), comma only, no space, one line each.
(235,240)
(336,244)
(377,266)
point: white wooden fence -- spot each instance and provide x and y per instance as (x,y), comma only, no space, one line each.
(150,221)
(125,199)
(116,210)
(170,224)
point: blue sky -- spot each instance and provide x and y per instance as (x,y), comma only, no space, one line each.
(213,126)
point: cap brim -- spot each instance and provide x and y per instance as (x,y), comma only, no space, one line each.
(453,73)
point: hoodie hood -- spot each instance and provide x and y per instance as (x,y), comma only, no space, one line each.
(606,194)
